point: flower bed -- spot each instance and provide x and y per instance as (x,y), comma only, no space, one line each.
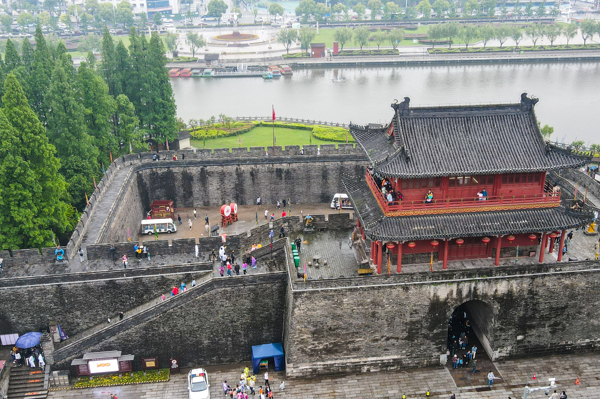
(331,133)
(137,377)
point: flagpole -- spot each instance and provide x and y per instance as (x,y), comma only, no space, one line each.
(273,127)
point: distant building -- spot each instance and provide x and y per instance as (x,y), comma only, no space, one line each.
(317,50)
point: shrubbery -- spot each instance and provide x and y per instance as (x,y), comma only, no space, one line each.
(137,377)
(184,59)
(222,130)
(345,53)
(331,133)
(512,48)
(296,55)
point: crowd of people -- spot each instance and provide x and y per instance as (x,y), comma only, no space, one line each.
(229,264)
(247,385)
(31,357)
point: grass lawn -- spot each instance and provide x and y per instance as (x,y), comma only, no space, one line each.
(262,136)
(326,36)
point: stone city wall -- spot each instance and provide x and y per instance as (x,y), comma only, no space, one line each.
(217,322)
(584,182)
(79,304)
(400,321)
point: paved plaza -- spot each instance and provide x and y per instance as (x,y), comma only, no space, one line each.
(393,384)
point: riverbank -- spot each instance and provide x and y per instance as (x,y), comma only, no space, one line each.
(413,59)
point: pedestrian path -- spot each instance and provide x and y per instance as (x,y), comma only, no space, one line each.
(413,383)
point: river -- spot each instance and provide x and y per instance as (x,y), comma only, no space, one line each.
(568,92)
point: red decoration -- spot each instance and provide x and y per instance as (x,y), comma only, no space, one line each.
(460,241)
(510,238)
(390,245)
(532,237)
(485,240)
(435,243)
(553,235)
(412,244)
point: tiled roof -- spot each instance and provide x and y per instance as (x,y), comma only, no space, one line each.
(454,141)
(473,224)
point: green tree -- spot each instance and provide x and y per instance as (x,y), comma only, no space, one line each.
(124,15)
(306,8)
(339,9)
(32,192)
(452,12)
(254,13)
(569,32)
(424,7)
(92,6)
(546,130)
(171,42)
(451,30)
(85,20)
(275,9)
(143,20)
(27,54)
(125,126)
(216,9)
(90,42)
(66,19)
(287,37)
(389,9)
(440,6)
(410,13)
(379,38)
(535,32)
(361,36)
(360,10)
(435,33)
(320,11)
(468,33)
(67,131)
(517,9)
(552,32)
(108,66)
(578,145)
(157,19)
(342,36)
(106,13)
(6,22)
(588,29)
(306,36)
(503,32)
(24,19)
(43,18)
(12,58)
(529,9)
(41,73)
(470,6)
(195,41)
(541,10)
(375,7)
(395,36)
(487,32)
(516,34)
(122,65)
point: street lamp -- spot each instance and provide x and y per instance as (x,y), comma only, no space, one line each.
(547,389)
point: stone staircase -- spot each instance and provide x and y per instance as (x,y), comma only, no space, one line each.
(26,382)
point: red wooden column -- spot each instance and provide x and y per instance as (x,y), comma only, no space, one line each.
(498,248)
(543,247)
(373,251)
(379,256)
(561,245)
(446,244)
(551,246)
(399,263)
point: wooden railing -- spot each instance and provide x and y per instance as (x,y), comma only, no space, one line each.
(397,208)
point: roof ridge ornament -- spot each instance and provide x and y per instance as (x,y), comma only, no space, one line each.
(403,107)
(527,103)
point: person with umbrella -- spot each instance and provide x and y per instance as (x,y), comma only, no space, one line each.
(31,360)
(41,361)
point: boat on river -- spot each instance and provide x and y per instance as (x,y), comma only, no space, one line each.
(196,73)
(286,70)
(208,73)
(174,73)
(267,75)
(275,71)
(185,73)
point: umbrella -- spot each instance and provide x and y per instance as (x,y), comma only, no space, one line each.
(28,340)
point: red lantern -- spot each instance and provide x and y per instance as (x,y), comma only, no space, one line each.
(532,236)
(485,240)
(412,244)
(460,241)
(553,234)
(390,245)
(435,243)
(510,238)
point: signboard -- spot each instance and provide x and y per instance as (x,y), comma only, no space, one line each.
(150,363)
(103,366)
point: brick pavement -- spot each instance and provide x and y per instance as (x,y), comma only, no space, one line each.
(392,384)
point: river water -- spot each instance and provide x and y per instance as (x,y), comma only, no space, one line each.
(569,93)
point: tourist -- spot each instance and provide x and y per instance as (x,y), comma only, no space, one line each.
(232,256)
(190,223)
(245,267)
(282,386)
(154,157)
(221,270)
(139,253)
(124,261)
(175,291)
(179,219)
(272,217)
(145,252)
(298,243)
(284,203)
(283,214)
(206,219)
(491,378)
(121,315)
(207,228)
(251,385)
(41,361)
(465,342)
(271,236)
(281,231)
(555,395)
(390,198)
(31,361)
(267,379)
(465,360)
(193,282)
(212,256)
(135,248)
(237,269)
(112,250)
(196,250)
(253,262)
(563,395)
(80,252)
(229,269)
(182,286)
(454,361)
(18,358)
(429,197)
(453,396)
(474,366)
(223,259)
(162,297)
(485,194)
(194,213)
(278,205)
(474,351)
(225,387)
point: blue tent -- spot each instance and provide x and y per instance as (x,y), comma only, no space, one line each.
(260,352)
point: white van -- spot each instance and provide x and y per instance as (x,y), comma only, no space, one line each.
(161,226)
(343,198)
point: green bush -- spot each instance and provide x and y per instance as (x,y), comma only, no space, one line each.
(346,53)
(296,55)
(331,133)
(218,130)
(561,47)
(137,377)
(184,59)
(299,126)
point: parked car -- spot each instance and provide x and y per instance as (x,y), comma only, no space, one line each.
(198,384)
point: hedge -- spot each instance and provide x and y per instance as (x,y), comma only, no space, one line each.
(296,55)
(184,59)
(346,53)
(217,130)
(511,48)
(299,126)
(331,133)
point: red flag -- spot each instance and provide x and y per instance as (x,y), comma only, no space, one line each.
(273,113)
